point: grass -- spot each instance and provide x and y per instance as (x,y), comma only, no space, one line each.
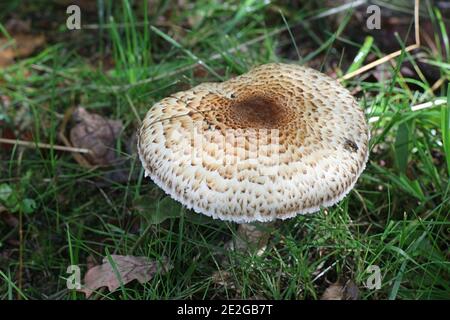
(396,218)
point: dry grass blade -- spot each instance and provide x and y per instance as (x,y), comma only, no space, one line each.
(39,145)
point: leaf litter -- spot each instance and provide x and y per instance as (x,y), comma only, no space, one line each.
(341,291)
(96,133)
(124,270)
(18,46)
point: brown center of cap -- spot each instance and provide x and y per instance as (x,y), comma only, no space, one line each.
(256,112)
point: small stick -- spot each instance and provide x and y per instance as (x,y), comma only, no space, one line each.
(30,144)
(429,104)
(416,22)
(377,62)
(437,84)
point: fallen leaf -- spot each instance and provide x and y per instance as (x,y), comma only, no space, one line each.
(129,268)
(334,292)
(19,46)
(97,134)
(339,291)
(351,291)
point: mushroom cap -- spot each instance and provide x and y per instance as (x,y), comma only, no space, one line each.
(275,142)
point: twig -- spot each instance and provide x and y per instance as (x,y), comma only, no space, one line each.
(375,63)
(30,144)
(416,22)
(437,84)
(429,104)
(324,271)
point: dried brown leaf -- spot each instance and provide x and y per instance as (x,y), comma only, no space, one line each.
(20,46)
(339,291)
(351,291)
(334,292)
(97,134)
(128,267)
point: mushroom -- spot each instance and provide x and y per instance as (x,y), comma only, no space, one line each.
(275,142)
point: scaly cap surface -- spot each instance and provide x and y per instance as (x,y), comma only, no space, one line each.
(275,142)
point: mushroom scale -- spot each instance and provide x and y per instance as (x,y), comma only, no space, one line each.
(275,142)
